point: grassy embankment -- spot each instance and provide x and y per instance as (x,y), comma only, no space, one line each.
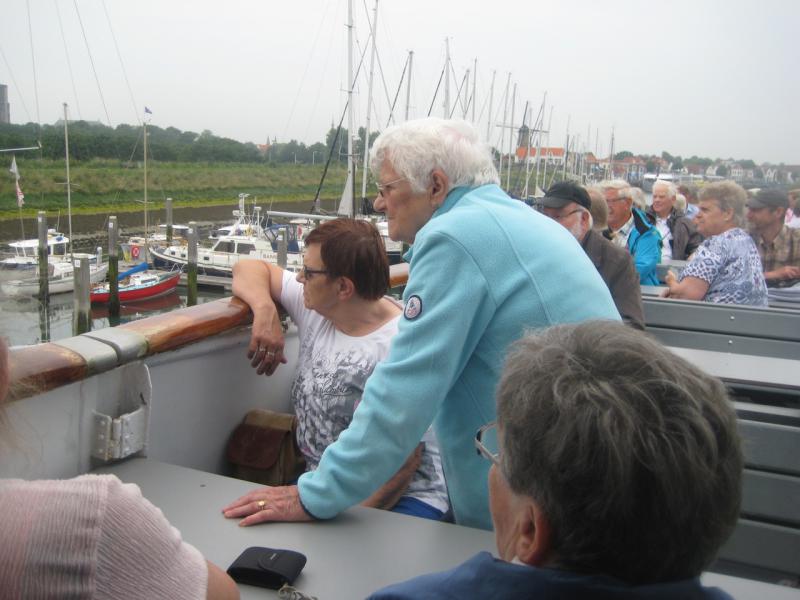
(105,185)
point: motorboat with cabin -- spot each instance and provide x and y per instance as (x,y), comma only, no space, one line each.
(23,254)
(245,238)
(133,249)
(60,275)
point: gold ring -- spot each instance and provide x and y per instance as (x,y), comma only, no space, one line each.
(261,504)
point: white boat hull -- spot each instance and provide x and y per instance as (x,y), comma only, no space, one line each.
(56,285)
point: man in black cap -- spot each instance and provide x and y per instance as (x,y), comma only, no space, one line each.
(569,204)
(778,245)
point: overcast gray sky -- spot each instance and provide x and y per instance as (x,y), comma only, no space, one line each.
(706,77)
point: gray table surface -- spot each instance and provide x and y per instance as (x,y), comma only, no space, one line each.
(348,557)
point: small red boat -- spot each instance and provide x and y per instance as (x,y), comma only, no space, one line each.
(138,286)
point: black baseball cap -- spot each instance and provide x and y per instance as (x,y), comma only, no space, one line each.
(769,199)
(562,193)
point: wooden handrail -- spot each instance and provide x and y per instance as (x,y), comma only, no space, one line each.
(43,367)
(398,274)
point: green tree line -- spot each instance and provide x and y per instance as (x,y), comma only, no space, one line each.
(92,140)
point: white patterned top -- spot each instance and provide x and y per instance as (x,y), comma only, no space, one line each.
(730,264)
(332,370)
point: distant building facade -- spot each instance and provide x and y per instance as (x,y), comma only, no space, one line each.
(5,107)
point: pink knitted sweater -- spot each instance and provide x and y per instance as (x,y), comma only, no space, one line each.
(91,537)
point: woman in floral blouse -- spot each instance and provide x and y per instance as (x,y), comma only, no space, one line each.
(726,267)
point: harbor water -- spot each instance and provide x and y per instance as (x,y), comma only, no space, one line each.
(26,321)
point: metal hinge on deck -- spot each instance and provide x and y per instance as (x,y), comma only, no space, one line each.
(117,438)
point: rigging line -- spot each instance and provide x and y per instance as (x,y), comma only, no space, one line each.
(91,60)
(16,85)
(328,55)
(305,71)
(436,91)
(397,95)
(33,62)
(336,137)
(458,94)
(383,80)
(453,71)
(69,63)
(483,107)
(122,64)
(499,135)
(380,68)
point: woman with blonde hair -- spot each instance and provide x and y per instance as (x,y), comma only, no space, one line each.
(726,267)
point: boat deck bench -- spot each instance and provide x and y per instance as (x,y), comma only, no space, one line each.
(766,541)
(350,556)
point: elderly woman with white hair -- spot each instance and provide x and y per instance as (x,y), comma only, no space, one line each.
(483,269)
(726,267)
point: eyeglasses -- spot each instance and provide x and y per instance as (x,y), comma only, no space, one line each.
(384,188)
(486,443)
(307,273)
(618,199)
(570,213)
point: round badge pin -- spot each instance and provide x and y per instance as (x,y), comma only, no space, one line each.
(413,308)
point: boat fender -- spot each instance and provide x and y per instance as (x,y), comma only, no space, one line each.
(135,251)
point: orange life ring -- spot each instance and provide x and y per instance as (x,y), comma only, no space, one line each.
(135,251)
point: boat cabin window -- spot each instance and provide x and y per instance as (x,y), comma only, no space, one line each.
(245,248)
(224,246)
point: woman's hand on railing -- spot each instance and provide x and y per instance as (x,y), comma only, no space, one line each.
(266,342)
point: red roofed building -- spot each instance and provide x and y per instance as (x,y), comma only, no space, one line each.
(630,168)
(550,156)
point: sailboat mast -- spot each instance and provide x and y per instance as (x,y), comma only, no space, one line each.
(566,150)
(446,106)
(539,141)
(465,104)
(611,157)
(351,167)
(489,119)
(144,123)
(365,174)
(527,155)
(511,139)
(408,83)
(474,87)
(503,128)
(547,149)
(69,188)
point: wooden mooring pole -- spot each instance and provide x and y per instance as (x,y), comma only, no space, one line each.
(81,317)
(41,221)
(191,265)
(169,221)
(44,282)
(113,267)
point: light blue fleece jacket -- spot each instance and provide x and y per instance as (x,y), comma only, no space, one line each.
(482,271)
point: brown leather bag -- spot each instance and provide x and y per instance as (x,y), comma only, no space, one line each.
(263,448)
